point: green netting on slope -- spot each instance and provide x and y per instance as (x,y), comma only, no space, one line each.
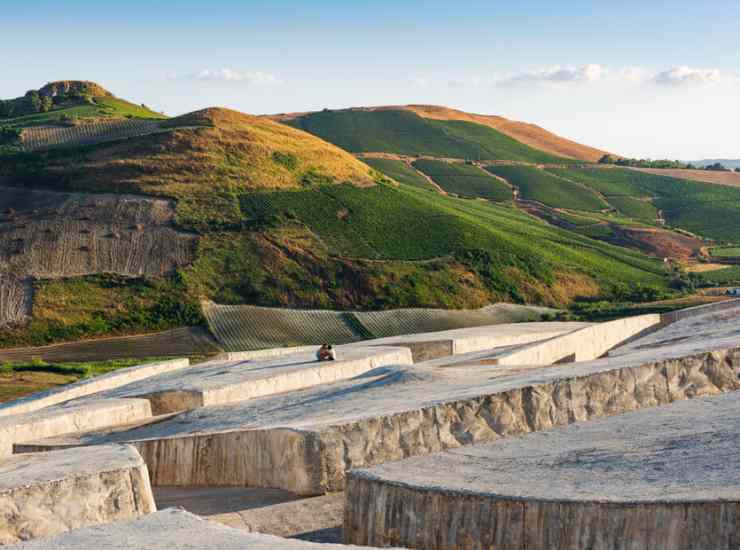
(410,321)
(243,328)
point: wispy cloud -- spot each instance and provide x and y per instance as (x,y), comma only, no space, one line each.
(558,75)
(687,76)
(229,75)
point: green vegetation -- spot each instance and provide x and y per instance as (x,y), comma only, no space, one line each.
(725,252)
(406,133)
(720,277)
(399,171)
(465,180)
(103,305)
(634,208)
(537,185)
(705,209)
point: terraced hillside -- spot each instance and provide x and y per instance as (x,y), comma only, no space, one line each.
(712,211)
(37,138)
(465,180)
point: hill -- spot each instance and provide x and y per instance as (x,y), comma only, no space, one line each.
(727,163)
(126,232)
(526,142)
(404,132)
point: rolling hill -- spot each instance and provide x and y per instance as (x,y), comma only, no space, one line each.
(109,229)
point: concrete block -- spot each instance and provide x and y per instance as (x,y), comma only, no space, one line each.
(48,493)
(90,386)
(663,479)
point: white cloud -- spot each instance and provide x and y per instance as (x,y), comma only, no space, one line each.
(686,76)
(559,75)
(228,75)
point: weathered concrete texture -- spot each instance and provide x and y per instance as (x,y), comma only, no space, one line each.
(581,345)
(169,530)
(220,382)
(264,353)
(70,418)
(720,325)
(49,493)
(435,345)
(89,386)
(667,478)
(268,511)
(680,314)
(305,441)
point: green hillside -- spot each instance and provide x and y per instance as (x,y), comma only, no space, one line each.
(275,216)
(465,180)
(399,171)
(538,185)
(708,210)
(406,133)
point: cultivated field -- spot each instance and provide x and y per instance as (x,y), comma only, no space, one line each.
(465,180)
(708,176)
(37,138)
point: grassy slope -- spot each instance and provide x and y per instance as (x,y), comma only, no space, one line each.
(99,107)
(538,185)
(465,180)
(709,210)
(406,133)
(634,208)
(399,171)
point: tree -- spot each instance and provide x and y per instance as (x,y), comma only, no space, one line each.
(46,104)
(34,101)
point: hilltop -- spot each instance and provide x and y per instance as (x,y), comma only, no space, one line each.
(367,120)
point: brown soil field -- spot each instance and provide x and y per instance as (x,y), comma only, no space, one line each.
(14,385)
(731,179)
(181,342)
(660,242)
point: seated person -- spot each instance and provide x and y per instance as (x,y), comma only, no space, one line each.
(326,353)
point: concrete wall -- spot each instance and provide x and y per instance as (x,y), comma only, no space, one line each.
(311,462)
(263,353)
(382,514)
(82,388)
(581,345)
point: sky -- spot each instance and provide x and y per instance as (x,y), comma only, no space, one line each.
(652,79)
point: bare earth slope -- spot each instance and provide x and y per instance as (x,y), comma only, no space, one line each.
(731,179)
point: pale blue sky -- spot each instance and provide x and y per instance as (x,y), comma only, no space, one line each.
(638,78)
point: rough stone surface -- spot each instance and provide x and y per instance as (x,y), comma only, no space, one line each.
(305,441)
(665,478)
(49,493)
(169,530)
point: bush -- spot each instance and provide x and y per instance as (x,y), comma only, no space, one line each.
(9,136)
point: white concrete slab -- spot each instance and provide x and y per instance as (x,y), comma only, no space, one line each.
(69,418)
(90,386)
(220,382)
(170,529)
